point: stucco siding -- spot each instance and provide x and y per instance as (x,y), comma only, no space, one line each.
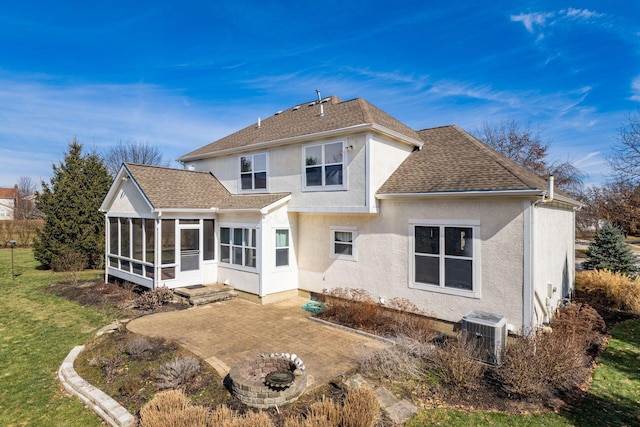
(129,202)
(383,245)
(554,258)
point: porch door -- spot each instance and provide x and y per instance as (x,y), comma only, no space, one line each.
(190,255)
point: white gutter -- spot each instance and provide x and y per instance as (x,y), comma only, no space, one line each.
(302,138)
(462,193)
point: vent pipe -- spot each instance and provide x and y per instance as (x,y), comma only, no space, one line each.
(259,124)
(320,102)
(549,197)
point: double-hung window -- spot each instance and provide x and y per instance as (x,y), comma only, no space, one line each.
(324,166)
(253,172)
(238,246)
(446,257)
(282,248)
(343,243)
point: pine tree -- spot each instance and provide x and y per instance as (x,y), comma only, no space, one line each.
(609,251)
(73,223)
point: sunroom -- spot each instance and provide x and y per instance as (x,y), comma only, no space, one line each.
(176,228)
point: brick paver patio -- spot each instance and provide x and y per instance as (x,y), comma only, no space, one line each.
(227,332)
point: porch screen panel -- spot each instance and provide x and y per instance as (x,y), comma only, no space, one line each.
(113,236)
(225,244)
(150,240)
(125,238)
(168,241)
(136,234)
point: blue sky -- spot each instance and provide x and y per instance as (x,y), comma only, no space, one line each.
(182,74)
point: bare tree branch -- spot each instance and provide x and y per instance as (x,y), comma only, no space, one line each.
(132,152)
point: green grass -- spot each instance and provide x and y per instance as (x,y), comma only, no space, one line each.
(613,399)
(37,331)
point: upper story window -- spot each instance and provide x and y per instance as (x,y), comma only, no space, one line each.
(324,166)
(253,172)
(446,258)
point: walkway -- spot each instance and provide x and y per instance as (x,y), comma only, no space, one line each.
(227,332)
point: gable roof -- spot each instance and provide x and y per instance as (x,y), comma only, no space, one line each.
(167,188)
(304,120)
(452,160)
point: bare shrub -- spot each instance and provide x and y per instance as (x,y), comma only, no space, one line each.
(153,298)
(616,291)
(542,363)
(71,263)
(582,322)
(172,375)
(222,416)
(137,347)
(172,408)
(455,362)
(397,363)
(321,414)
(360,408)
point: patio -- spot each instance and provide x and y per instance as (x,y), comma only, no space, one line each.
(227,332)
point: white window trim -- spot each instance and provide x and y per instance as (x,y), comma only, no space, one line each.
(324,187)
(477,261)
(354,245)
(253,190)
(230,264)
(275,249)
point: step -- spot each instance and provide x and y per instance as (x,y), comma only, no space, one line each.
(204,294)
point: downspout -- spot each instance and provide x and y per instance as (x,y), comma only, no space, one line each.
(107,243)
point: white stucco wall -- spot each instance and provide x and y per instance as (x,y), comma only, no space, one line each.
(382,267)
(554,257)
(282,278)
(128,201)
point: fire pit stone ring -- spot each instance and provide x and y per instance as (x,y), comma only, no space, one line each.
(269,380)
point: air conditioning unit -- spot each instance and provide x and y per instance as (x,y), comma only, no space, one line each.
(488,332)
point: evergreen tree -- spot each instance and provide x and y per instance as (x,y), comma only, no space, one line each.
(609,251)
(70,204)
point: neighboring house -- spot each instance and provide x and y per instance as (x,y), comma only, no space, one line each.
(340,194)
(8,202)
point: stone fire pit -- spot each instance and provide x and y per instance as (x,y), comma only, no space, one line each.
(269,380)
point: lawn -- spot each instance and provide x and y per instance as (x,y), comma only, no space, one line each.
(37,331)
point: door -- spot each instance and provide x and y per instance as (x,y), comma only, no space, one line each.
(189,269)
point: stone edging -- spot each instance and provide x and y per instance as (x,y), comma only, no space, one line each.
(355,331)
(102,404)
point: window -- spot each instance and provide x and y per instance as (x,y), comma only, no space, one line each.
(253,172)
(149,236)
(125,237)
(238,246)
(114,233)
(209,240)
(282,248)
(446,256)
(324,165)
(168,243)
(136,224)
(343,243)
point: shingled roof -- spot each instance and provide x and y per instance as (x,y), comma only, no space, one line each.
(305,119)
(452,160)
(167,188)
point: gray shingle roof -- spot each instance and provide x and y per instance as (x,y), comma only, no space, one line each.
(453,160)
(167,188)
(306,120)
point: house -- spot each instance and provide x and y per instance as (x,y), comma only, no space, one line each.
(335,193)
(8,202)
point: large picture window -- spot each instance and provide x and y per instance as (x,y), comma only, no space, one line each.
(324,165)
(446,256)
(253,172)
(238,246)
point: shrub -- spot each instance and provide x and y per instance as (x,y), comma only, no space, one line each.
(172,408)
(541,363)
(360,408)
(71,263)
(152,299)
(582,322)
(396,363)
(137,347)
(177,372)
(603,288)
(455,362)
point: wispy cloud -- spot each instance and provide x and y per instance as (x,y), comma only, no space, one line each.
(532,20)
(635,89)
(535,22)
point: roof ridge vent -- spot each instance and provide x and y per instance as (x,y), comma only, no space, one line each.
(296,108)
(278,112)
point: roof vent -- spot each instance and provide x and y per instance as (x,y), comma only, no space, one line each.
(296,108)
(278,112)
(311,104)
(326,99)
(320,102)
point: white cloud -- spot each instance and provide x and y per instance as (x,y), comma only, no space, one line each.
(581,14)
(529,20)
